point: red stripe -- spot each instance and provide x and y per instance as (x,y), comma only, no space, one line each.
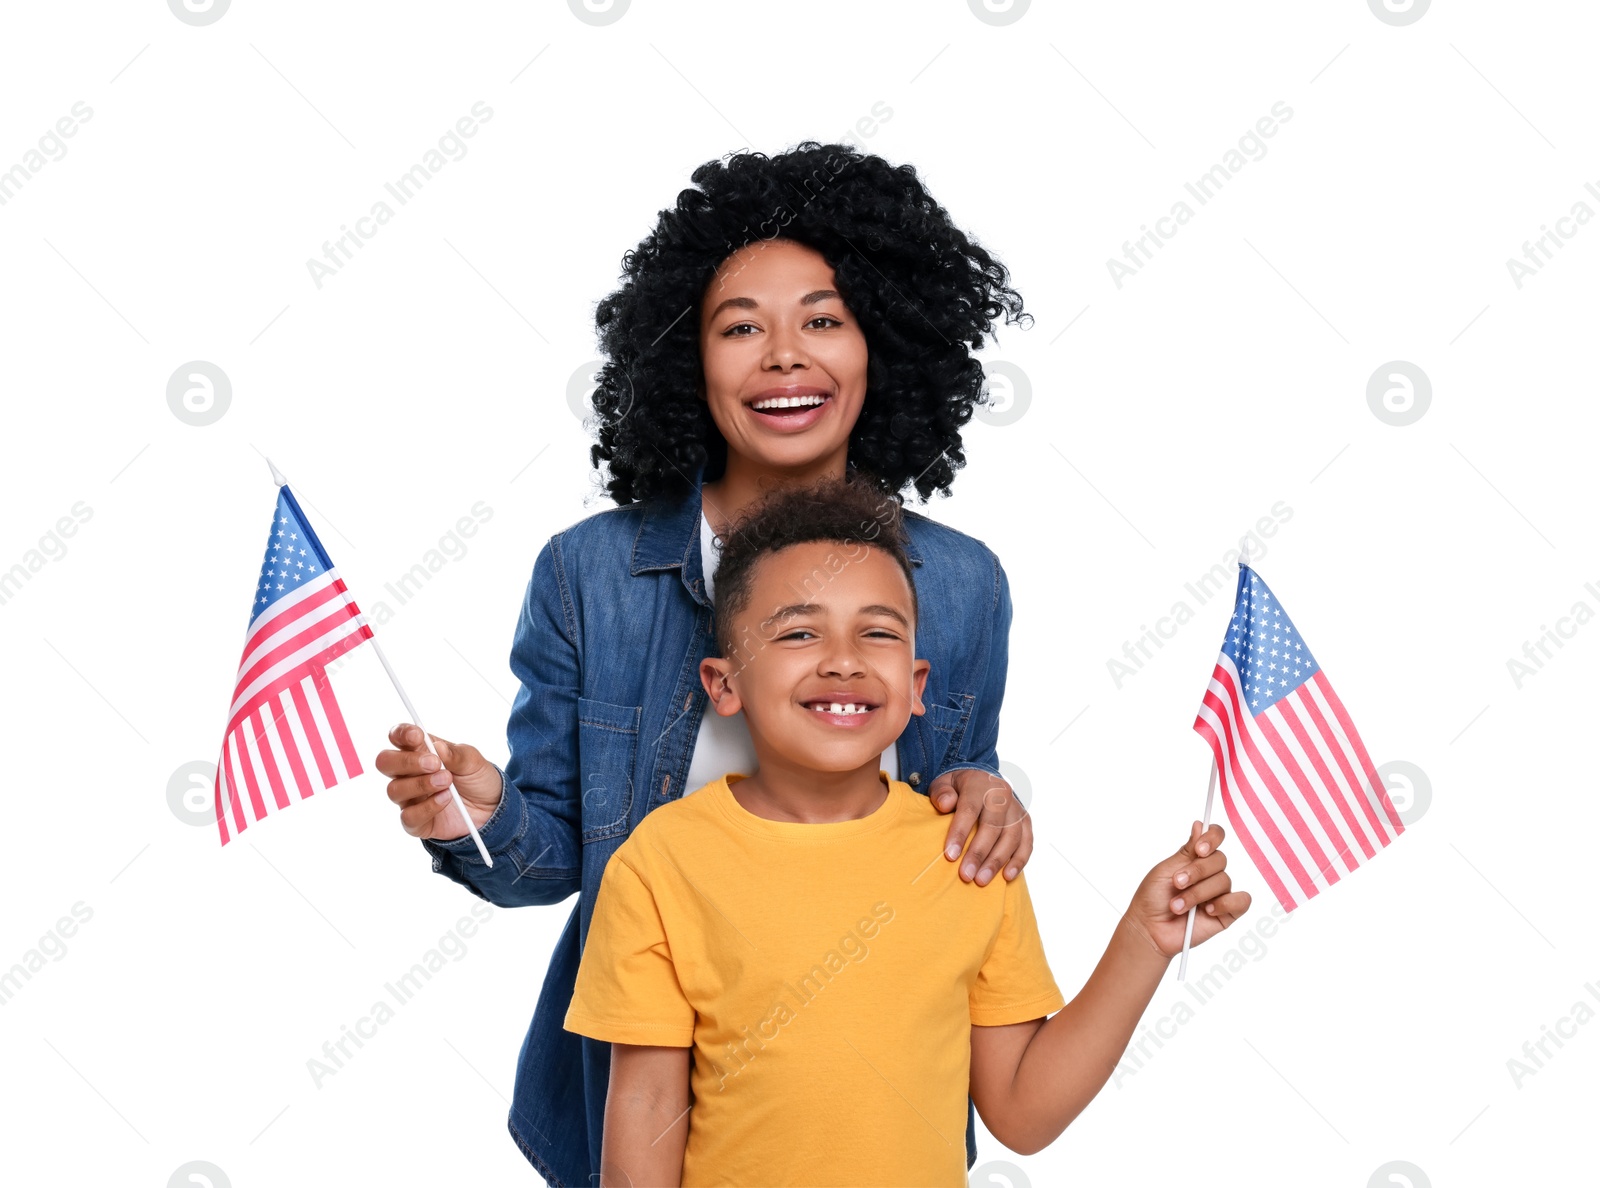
(233,790)
(277,620)
(1296,821)
(291,749)
(1361,750)
(326,625)
(216,797)
(249,774)
(313,735)
(299,672)
(1229,728)
(330,706)
(1236,819)
(269,761)
(1292,720)
(1343,760)
(1298,775)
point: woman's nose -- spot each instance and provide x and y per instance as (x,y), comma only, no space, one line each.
(785,349)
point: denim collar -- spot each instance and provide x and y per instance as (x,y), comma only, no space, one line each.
(669,537)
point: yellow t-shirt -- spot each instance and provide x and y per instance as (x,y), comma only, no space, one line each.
(826,977)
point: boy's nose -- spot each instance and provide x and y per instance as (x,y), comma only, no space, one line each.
(843,663)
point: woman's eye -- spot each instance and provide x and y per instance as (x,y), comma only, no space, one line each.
(729,332)
(825,318)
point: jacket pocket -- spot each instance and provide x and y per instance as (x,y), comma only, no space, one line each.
(608,736)
(949,721)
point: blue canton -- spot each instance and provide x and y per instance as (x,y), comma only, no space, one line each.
(1271,656)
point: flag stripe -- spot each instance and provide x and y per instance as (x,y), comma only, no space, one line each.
(1321,713)
(1380,793)
(1308,746)
(298,672)
(1245,723)
(291,749)
(269,761)
(216,793)
(1296,773)
(287,611)
(314,736)
(341,735)
(1291,862)
(311,637)
(242,745)
(1341,757)
(1236,816)
(233,785)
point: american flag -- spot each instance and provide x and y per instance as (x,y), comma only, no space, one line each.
(286,738)
(1300,790)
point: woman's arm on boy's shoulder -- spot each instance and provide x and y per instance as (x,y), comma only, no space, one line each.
(647,1117)
(973,791)
(1031,1079)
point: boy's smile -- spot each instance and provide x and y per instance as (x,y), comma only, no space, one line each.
(826,676)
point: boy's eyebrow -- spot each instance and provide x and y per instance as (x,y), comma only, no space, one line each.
(812,608)
(877,608)
(752,303)
(794,609)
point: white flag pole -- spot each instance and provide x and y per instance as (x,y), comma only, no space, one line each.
(1188,928)
(411,710)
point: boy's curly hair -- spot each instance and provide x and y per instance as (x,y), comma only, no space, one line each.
(848,511)
(923,292)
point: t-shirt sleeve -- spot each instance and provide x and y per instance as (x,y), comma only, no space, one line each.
(1014,983)
(627,988)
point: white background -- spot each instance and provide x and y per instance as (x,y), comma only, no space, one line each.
(1166,416)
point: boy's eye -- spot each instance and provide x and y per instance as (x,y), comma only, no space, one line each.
(793,634)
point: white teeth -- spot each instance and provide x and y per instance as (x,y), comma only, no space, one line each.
(836,707)
(788,402)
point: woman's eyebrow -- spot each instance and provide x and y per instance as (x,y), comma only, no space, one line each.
(751,303)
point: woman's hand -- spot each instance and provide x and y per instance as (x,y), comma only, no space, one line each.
(1004,839)
(422,790)
(1194,875)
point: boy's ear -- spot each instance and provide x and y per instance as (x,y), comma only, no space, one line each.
(715,674)
(919,678)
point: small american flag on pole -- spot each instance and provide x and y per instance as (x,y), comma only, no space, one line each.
(1300,791)
(286,738)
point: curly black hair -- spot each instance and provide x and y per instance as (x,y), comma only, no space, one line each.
(923,292)
(849,511)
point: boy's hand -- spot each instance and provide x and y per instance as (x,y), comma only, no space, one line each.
(1194,875)
(422,790)
(1004,840)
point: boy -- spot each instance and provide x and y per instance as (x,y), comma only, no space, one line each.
(840,993)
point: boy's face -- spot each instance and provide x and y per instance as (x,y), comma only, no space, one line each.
(826,623)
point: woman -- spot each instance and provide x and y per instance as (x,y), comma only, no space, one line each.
(790,318)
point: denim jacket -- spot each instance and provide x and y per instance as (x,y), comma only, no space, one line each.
(608,647)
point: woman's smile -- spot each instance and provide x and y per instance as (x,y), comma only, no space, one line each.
(790,409)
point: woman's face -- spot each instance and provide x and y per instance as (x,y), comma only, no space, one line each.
(785,363)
